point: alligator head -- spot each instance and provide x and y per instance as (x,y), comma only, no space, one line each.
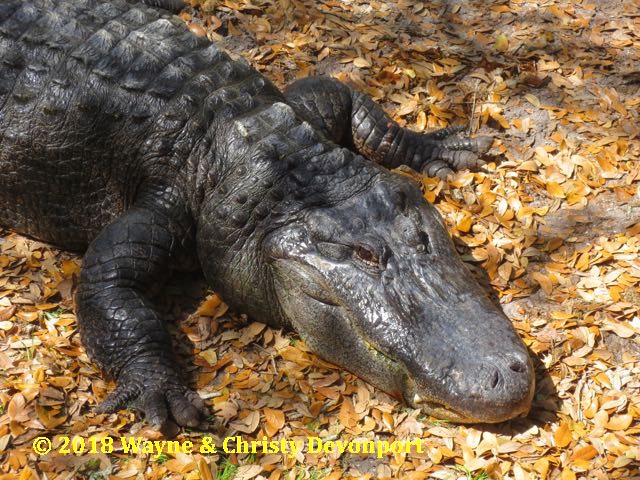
(373,283)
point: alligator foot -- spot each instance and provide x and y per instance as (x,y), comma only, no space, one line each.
(157,392)
(335,108)
(455,152)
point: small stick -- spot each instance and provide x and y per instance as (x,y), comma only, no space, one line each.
(473,107)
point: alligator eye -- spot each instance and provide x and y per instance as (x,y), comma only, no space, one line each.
(423,246)
(367,257)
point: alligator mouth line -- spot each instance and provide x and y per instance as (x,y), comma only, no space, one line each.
(323,301)
(440,409)
(423,402)
(428,404)
(431,406)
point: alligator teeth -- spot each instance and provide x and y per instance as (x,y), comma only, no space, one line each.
(417,399)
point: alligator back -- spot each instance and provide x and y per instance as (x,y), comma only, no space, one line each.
(96,99)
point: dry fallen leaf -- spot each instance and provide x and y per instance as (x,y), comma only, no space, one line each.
(502,43)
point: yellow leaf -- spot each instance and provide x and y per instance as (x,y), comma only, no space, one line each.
(615,293)
(603,379)
(533,100)
(548,66)
(421,121)
(409,72)
(203,468)
(543,157)
(274,418)
(497,116)
(462,180)
(600,419)
(414,475)
(438,112)
(555,189)
(47,306)
(619,422)
(361,62)
(387,419)
(558,315)
(620,329)
(212,307)
(464,224)
(48,418)
(25,474)
(504,271)
(502,43)
(324,53)
(542,467)
(210,356)
(563,435)
(524,212)
(544,282)
(555,10)
(70,267)
(583,261)
(334,476)
(528,166)
(585,453)
(27,316)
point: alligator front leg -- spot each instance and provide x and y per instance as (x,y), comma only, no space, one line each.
(120,327)
(353,119)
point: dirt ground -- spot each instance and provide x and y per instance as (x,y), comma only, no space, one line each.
(551,227)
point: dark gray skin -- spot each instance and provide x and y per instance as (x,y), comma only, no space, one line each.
(125,136)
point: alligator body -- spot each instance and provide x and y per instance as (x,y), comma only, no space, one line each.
(125,136)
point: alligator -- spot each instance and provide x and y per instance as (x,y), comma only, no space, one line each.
(126,137)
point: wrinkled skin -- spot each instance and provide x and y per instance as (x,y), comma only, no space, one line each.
(371,271)
(124,136)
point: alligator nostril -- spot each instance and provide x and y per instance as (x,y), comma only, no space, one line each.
(495,378)
(518,366)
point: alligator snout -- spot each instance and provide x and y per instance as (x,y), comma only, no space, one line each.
(504,374)
(485,390)
(504,387)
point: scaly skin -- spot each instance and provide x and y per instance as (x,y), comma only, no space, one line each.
(353,120)
(124,135)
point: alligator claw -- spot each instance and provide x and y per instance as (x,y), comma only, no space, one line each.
(483,143)
(455,152)
(437,168)
(161,400)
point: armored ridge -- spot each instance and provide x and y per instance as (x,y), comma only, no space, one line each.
(124,135)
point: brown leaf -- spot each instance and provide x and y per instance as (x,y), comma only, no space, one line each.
(274,418)
(347,414)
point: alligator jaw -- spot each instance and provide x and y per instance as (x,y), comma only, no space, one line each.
(442,411)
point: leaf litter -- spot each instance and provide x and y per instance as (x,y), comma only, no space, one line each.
(551,227)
